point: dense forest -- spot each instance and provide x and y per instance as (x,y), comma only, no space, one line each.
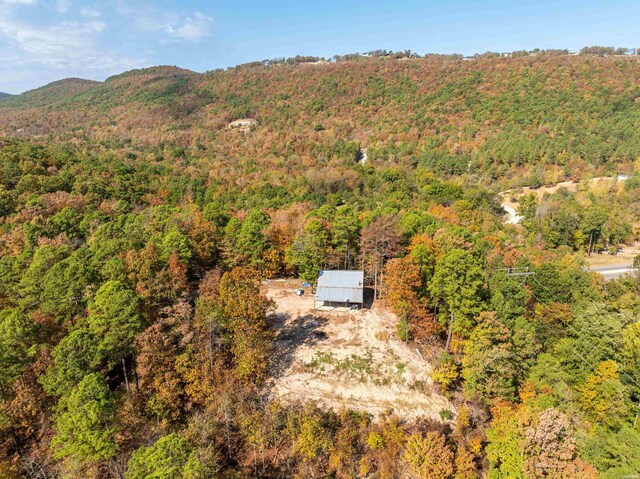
(530,119)
(137,228)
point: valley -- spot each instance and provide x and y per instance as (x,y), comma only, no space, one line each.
(155,229)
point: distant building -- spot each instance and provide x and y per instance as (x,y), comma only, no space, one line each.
(342,288)
(243,123)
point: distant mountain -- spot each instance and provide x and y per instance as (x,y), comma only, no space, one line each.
(490,116)
(50,94)
(4,95)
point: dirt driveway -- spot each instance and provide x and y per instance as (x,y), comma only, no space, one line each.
(348,359)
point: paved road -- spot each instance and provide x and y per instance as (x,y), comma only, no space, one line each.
(614,271)
(513,218)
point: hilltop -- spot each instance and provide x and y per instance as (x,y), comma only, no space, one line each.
(51,94)
(160,233)
(527,118)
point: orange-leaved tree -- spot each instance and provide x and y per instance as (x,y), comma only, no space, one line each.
(244,314)
(403,287)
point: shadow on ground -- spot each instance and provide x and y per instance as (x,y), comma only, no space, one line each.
(291,334)
(367,297)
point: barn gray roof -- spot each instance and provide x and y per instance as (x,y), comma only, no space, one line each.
(340,286)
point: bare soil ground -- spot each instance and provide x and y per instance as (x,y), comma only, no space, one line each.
(509,198)
(510,204)
(348,359)
(599,182)
(624,257)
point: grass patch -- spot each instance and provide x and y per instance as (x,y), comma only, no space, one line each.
(360,366)
(320,360)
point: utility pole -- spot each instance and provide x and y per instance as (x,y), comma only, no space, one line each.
(446,347)
(522,272)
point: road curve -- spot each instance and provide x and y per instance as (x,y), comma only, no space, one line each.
(512,217)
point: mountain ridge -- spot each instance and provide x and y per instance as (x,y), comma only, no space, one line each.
(156,229)
(50,93)
(490,115)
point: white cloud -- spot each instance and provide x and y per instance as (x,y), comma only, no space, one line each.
(62,6)
(73,40)
(178,26)
(69,47)
(89,12)
(144,18)
(193,28)
(18,2)
(56,44)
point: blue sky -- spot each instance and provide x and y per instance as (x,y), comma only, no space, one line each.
(46,40)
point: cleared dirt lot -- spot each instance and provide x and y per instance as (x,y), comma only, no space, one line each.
(509,198)
(624,257)
(350,359)
(510,203)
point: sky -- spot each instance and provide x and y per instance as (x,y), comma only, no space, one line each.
(46,40)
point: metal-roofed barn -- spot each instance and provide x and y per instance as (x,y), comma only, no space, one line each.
(343,287)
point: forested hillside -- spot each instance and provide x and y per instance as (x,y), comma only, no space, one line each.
(137,228)
(492,117)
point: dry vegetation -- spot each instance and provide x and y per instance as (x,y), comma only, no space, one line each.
(349,359)
(136,229)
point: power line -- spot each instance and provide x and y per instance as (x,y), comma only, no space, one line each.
(526,273)
(602,352)
(620,391)
(522,271)
(576,354)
